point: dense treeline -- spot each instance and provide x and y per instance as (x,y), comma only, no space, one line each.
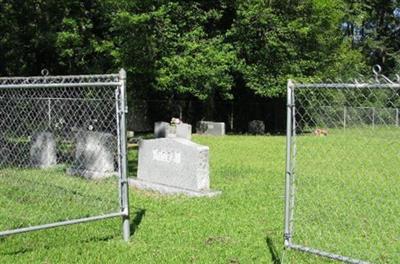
(200,49)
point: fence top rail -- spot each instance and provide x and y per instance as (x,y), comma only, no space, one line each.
(60,81)
(347,85)
(378,81)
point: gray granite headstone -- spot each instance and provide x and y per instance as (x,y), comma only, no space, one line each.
(162,130)
(211,128)
(184,131)
(256,127)
(174,165)
(94,155)
(166,130)
(43,152)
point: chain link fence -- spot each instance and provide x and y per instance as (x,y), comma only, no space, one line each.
(62,151)
(342,170)
(348,116)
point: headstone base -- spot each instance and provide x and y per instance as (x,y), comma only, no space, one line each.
(166,189)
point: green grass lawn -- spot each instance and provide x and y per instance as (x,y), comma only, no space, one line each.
(352,214)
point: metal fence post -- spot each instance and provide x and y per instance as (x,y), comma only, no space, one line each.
(344,116)
(288,178)
(397,117)
(124,188)
(292,160)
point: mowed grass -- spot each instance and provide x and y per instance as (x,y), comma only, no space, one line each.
(243,225)
(348,193)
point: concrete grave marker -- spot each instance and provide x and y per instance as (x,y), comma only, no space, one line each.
(94,155)
(162,130)
(184,131)
(43,150)
(174,165)
(166,130)
(211,128)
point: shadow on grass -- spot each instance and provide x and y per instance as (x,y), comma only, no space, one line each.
(94,239)
(137,220)
(272,249)
(47,246)
(18,252)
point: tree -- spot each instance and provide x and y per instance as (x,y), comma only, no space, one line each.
(172,48)
(279,40)
(374,27)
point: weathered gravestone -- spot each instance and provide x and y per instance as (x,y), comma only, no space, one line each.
(211,128)
(166,130)
(256,127)
(174,165)
(94,155)
(183,131)
(162,130)
(43,152)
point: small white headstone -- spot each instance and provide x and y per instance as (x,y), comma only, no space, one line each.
(166,130)
(184,131)
(162,130)
(43,150)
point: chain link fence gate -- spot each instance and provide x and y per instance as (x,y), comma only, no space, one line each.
(63,156)
(342,198)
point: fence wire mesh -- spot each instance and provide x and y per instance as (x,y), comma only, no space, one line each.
(343,177)
(59,149)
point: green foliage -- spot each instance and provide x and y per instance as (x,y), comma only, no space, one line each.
(168,47)
(279,40)
(202,68)
(380,31)
(199,49)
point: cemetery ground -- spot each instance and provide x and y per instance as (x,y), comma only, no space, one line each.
(243,225)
